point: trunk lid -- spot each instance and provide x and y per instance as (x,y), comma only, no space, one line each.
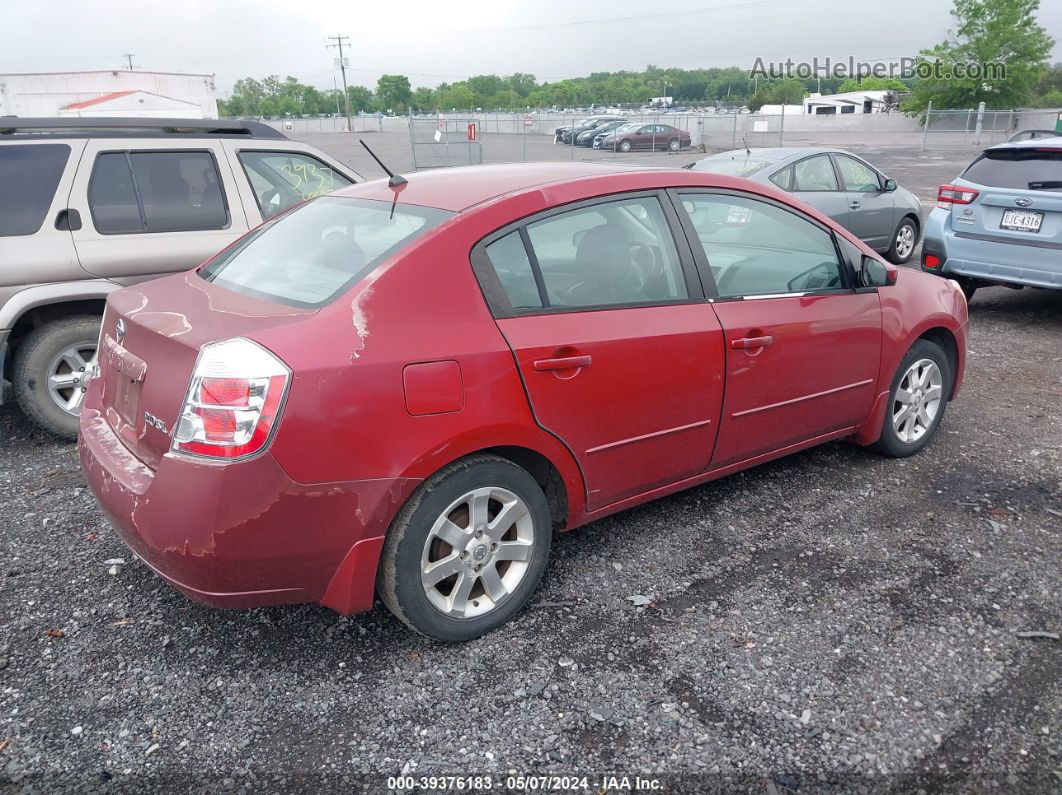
(149,344)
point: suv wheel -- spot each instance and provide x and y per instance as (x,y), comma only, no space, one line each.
(51,371)
(467,551)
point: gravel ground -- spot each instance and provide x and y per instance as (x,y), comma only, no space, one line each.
(832,621)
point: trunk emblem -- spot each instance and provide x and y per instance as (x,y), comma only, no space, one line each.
(154,422)
(1023,202)
(119,331)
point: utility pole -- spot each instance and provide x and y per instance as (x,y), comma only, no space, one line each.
(339,42)
(129,59)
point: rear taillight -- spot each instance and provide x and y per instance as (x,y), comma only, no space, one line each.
(947,195)
(233,401)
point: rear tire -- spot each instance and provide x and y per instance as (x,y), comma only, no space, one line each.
(487,565)
(674,145)
(968,288)
(917,399)
(40,357)
(904,242)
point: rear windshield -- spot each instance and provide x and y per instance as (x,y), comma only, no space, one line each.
(1025,169)
(313,254)
(731,167)
(29,175)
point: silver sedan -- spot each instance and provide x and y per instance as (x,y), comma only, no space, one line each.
(839,184)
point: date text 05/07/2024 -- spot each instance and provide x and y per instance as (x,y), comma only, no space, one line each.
(524,783)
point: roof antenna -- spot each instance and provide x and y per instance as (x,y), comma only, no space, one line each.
(743,140)
(396,180)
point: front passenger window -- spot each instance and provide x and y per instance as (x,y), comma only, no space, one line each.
(755,248)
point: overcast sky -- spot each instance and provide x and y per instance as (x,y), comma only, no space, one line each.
(437,40)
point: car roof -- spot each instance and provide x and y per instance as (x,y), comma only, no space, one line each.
(776,153)
(459,188)
(1032,143)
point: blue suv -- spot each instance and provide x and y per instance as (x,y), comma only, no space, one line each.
(1000,222)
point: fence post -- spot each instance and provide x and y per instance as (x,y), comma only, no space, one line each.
(925,129)
(980,122)
(781,128)
(733,142)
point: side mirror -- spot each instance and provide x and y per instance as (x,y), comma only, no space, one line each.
(875,273)
(890,185)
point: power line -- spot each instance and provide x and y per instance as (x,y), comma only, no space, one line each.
(575,23)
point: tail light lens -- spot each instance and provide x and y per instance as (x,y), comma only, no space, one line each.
(931,261)
(233,401)
(947,195)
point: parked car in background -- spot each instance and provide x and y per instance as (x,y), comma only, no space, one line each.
(586,137)
(564,134)
(233,434)
(1000,222)
(646,136)
(844,186)
(90,205)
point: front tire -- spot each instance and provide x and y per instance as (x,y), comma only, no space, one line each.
(904,241)
(917,399)
(51,370)
(467,551)
(625,146)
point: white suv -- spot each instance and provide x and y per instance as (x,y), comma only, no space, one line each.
(90,205)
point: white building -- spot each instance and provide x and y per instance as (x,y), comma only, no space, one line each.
(116,92)
(850,102)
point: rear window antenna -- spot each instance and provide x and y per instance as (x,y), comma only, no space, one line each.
(396,180)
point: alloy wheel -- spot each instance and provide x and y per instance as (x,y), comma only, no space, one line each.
(477,552)
(905,241)
(917,401)
(69,374)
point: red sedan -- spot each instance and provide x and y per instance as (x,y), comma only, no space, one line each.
(406,390)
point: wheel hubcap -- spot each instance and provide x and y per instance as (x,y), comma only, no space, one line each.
(477,552)
(905,240)
(917,401)
(69,374)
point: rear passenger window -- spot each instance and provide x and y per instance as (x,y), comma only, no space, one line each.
(510,261)
(608,254)
(29,176)
(283,179)
(814,173)
(132,192)
(784,178)
(755,248)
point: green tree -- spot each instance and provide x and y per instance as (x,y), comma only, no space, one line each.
(758,100)
(393,92)
(872,84)
(788,92)
(423,99)
(986,32)
(361,99)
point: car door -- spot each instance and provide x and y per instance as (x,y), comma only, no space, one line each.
(802,346)
(149,208)
(620,357)
(815,182)
(871,210)
(272,177)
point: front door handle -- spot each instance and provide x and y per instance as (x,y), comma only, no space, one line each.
(854,206)
(562,363)
(750,342)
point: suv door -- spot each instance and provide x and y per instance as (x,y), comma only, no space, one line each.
(802,346)
(272,176)
(619,356)
(871,210)
(150,207)
(35,242)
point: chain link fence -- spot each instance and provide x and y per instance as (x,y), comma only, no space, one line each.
(438,142)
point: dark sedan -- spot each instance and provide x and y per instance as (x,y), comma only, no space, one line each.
(586,138)
(645,136)
(564,134)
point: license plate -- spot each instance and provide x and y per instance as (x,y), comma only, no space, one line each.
(126,398)
(1022,220)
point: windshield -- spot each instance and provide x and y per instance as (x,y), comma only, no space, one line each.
(1025,169)
(731,166)
(311,255)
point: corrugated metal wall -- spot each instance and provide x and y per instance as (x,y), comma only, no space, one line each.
(44,94)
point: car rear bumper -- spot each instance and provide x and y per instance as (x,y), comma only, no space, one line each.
(1028,275)
(244,534)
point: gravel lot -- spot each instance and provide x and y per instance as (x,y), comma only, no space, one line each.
(832,621)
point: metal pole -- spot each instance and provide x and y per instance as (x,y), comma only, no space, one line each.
(925,129)
(781,126)
(733,143)
(980,122)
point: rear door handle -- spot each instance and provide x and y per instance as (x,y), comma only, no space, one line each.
(751,342)
(562,363)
